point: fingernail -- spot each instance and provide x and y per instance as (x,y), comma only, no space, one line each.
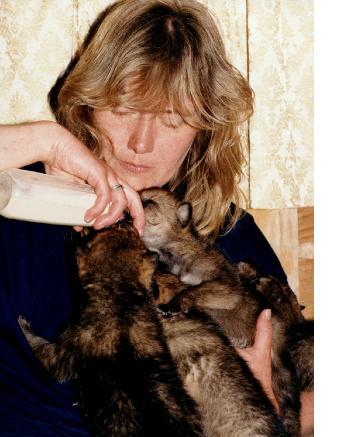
(268,314)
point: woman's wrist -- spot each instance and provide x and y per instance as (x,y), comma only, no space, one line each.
(23,144)
(45,135)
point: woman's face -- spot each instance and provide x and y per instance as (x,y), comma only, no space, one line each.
(144,149)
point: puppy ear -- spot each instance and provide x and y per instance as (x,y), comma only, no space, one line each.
(248,271)
(184,213)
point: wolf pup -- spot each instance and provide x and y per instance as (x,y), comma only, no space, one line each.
(215,287)
(231,400)
(293,335)
(116,351)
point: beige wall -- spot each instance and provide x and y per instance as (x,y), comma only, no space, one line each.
(270,41)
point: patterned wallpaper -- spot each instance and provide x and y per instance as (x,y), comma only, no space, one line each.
(35,46)
(281,131)
(270,41)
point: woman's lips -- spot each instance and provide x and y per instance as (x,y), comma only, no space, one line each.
(132,168)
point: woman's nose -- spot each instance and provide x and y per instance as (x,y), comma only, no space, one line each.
(143,134)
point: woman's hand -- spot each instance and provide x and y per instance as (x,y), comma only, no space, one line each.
(69,156)
(259,360)
(62,153)
(258,356)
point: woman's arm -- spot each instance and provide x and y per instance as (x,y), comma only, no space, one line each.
(307,413)
(62,153)
(20,145)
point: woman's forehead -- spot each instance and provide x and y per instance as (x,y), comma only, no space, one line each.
(158,88)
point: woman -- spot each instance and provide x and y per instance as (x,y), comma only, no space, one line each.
(149,100)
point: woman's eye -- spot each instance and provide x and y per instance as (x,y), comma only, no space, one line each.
(171,120)
(123,112)
(120,113)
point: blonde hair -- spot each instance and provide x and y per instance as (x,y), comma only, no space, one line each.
(156,53)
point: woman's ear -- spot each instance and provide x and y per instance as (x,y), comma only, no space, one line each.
(184,213)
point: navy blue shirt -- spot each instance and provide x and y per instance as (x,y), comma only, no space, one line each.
(36,282)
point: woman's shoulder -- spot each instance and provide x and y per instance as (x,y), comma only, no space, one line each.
(246,242)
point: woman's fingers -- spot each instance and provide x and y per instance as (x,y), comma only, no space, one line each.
(109,205)
(123,197)
(264,332)
(116,196)
(135,207)
(261,348)
(98,179)
(116,207)
(258,356)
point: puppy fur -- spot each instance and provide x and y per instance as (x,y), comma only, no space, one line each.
(116,351)
(231,400)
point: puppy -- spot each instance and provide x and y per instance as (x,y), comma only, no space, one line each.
(293,335)
(218,289)
(115,350)
(231,401)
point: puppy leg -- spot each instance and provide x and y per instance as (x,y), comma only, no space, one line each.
(54,359)
(285,387)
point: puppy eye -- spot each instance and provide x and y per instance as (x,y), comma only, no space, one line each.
(147,202)
(89,245)
(154,221)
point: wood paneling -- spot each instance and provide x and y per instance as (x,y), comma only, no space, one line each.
(290,232)
(306,259)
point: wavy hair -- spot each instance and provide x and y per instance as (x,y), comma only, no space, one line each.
(165,53)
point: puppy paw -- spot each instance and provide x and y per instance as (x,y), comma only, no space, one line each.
(24,325)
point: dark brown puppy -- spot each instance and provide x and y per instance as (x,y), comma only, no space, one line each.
(293,335)
(116,351)
(221,291)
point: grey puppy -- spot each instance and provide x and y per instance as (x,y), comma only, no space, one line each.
(225,293)
(116,351)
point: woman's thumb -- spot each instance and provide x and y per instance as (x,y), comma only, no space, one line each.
(263,334)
